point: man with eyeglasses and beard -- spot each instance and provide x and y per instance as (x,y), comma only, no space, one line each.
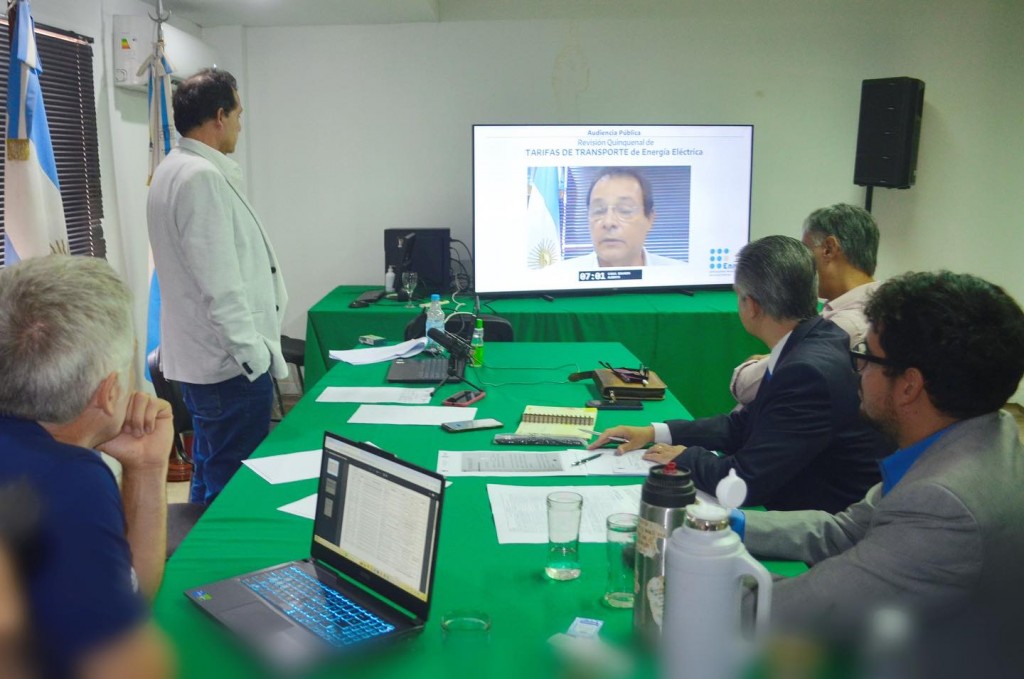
(941,540)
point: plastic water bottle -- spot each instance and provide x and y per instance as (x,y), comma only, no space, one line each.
(704,566)
(435,319)
(389,280)
(478,344)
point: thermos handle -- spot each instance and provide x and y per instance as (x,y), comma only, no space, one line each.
(748,565)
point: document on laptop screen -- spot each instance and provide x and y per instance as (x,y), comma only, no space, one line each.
(385,528)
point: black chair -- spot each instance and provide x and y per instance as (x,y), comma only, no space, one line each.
(294,351)
(181,516)
(496,328)
(171,392)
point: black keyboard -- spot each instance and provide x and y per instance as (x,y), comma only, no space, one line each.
(331,616)
(421,370)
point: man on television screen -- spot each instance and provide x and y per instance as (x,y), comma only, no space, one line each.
(620,208)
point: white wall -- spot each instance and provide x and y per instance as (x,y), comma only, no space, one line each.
(354,129)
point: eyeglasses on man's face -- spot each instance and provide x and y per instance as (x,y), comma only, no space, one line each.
(860,357)
(622,211)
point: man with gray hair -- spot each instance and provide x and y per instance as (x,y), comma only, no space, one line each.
(844,241)
(800,444)
(66,390)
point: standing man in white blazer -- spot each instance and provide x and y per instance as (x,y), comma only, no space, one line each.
(223,295)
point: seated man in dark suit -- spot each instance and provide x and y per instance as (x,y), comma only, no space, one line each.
(800,444)
(941,539)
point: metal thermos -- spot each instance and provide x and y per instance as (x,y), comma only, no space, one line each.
(663,500)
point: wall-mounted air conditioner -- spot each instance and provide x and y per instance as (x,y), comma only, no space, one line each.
(133,38)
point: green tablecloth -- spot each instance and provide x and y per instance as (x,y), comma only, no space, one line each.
(692,342)
(243,531)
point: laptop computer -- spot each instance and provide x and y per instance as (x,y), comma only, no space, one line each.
(370,575)
(424,370)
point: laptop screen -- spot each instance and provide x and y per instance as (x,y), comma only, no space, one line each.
(381,516)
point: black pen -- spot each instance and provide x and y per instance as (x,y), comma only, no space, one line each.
(585,460)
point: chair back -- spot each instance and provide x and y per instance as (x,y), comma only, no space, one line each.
(496,328)
(170,392)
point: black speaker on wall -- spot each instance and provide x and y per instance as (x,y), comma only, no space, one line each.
(889,131)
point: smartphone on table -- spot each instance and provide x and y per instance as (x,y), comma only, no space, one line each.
(471,425)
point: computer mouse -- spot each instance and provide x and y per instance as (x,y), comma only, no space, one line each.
(358,304)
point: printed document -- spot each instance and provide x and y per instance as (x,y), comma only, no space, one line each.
(520,512)
(423,415)
(507,463)
(375,395)
(535,463)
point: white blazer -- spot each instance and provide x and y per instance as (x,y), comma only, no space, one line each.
(222,292)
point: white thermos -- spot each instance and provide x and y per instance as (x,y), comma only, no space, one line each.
(705,564)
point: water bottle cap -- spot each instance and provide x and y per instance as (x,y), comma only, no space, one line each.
(731,491)
(480,323)
(435,297)
(391,268)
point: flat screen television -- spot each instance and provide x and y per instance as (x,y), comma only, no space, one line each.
(582,208)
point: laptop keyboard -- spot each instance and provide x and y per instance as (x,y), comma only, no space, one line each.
(433,368)
(333,617)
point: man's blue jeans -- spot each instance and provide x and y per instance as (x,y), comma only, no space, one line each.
(230,419)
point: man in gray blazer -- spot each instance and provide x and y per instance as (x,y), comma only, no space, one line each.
(222,292)
(943,534)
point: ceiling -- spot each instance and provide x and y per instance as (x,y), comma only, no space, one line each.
(211,13)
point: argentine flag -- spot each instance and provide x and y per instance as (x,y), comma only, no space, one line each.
(543,217)
(161,140)
(33,212)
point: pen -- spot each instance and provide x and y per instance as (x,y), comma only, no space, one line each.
(614,439)
(585,460)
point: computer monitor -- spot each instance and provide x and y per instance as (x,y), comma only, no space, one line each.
(597,207)
(425,251)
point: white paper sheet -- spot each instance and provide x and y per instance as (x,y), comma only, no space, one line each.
(379,354)
(422,415)
(306,507)
(288,467)
(504,463)
(507,463)
(375,395)
(610,464)
(520,512)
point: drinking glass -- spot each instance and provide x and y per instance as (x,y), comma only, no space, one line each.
(621,548)
(409,282)
(564,511)
(465,634)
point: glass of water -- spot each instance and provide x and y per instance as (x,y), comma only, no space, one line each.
(410,280)
(621,548)
(564,511)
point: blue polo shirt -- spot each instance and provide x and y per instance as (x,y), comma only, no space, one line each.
(899,463)
(83,592)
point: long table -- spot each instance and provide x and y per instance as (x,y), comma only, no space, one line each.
(243,531)
(692,342)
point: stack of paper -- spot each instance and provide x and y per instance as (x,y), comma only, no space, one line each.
(379,354)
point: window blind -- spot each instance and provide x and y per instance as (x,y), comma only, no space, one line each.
(67,84)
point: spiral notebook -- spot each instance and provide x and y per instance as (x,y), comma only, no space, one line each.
(556,421)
